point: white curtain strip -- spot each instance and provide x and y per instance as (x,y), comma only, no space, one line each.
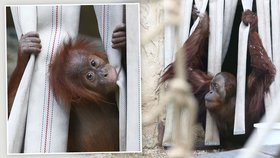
(239,120)
(275,22)
(169,40)
(17,119)
(215,46)
(169,44)
(169,137)
(47,122)
(186,12)
(201,6)
(108,17)
(133,79)
(229,13)
(264,30)
(169,57)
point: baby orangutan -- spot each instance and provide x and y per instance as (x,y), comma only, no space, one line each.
(81,76)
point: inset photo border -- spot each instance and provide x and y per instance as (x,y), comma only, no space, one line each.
(73,79)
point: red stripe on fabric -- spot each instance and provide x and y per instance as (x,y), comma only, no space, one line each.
(49,92)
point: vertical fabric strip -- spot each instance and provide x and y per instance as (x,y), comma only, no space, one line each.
(103,24)
(215,46)
(107,26)
(18,19)
(239,116)
(53,100)
(50,138)
(46,75)
(49,92)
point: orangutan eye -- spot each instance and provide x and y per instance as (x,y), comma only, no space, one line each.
(90,76)
(216,85)
(93,63)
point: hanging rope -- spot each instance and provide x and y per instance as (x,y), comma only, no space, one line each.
(179,94)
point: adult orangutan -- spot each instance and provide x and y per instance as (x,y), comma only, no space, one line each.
(80,77)
(218,93)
